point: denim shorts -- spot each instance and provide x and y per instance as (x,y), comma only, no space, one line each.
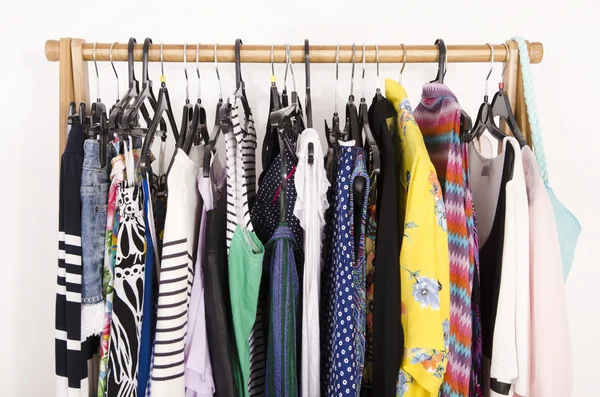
(94,199)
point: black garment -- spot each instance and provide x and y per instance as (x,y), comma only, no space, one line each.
(490,260)
(294,126)
(270,148)
(388,336)
(219,329)
(70,359)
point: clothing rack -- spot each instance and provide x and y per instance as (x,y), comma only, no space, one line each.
(72,53)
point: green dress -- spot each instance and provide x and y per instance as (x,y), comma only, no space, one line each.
(245,263)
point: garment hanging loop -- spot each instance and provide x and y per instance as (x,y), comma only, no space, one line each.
(491,69)
(217,71)
(352,75)
(364,64)
(198,72)
(337,74)
(404,62)
(377,62)
(187,82)
(110,54)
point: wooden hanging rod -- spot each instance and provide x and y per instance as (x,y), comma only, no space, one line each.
(318,53)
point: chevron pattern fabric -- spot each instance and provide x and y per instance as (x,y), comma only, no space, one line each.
(438,117)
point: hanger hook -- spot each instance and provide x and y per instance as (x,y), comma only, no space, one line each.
(442,61)
(288,55)
(110,52)
(272,64)
(337,75)
(507,59)
(377,61)
(97,74)
(217,71)
(287,65)
(187,82)
(364,64)
(198,71)
(403,62)
(162,69)
(353,65)
(491,69)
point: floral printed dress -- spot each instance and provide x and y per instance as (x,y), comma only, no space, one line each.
(112,226)
(344,294)
(424,261)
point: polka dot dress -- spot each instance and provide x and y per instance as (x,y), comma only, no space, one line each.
(345,284)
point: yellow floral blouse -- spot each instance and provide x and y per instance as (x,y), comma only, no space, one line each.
(424,262)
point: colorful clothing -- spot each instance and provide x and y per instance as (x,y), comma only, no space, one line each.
(112,226)
(425,292)
(344,296)
(128,298)
(438,116)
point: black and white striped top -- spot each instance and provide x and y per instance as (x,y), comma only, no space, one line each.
(241,192)
(70,350)
(176,278)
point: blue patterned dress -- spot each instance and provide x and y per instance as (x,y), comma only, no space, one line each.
(344,284)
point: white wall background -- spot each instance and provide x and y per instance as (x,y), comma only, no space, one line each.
(566,88)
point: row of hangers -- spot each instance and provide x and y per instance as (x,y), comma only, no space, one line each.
(123,118)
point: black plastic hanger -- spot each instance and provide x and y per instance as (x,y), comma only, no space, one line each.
(308,110)
(220,118)
(284,94)
(308,107)
(129,118)
(465,119)
(98,119)
(334,134)
(134,88)
(270,149)
(442,60)
(485,120)
(199,123)
(239,81)
(198,132)
(187,114)
(163,105)
(371,146)
(378,95)
(72,115)
(352,129)
(277,118)
(110,52)
(297,116)
(501,107)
